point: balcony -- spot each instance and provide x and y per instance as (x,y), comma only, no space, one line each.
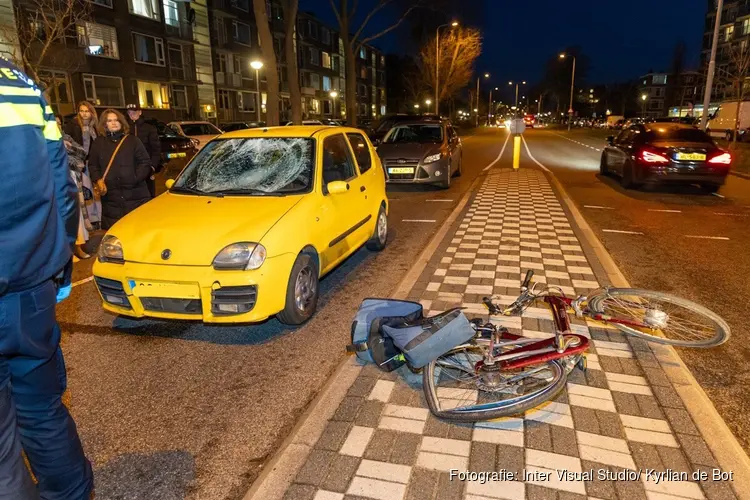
(228,79)
(179,29)
(308,91)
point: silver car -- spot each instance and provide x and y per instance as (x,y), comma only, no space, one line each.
(423,152)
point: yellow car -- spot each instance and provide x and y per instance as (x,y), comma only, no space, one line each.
(248,228)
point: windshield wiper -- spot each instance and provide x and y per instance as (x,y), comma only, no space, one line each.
(189,190)
(248,191)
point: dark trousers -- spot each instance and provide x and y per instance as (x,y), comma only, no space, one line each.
(32,416)
(151,186)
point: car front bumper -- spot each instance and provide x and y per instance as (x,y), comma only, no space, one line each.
(194,292)
(429,173)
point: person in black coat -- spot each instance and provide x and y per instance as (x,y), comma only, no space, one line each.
(124,188)
(149,136)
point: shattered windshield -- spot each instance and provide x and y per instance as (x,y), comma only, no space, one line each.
(415,133)
(254,166)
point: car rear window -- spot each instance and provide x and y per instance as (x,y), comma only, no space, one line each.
(677,134)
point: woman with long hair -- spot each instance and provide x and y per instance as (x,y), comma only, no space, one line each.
(83,130)
(77,164)
(120,166)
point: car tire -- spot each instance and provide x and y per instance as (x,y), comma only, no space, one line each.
(447,182)
(302,290)
(728,135)
(628,177)
(603,168)
(459,170)
(379,238)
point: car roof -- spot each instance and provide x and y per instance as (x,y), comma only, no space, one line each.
(285,131)
(189,122)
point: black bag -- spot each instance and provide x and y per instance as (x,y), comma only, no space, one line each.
(368,341)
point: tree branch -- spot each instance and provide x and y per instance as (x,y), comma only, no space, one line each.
(369,16)
(387,30)
(336,12)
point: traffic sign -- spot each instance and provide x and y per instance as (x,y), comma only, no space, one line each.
(517,126)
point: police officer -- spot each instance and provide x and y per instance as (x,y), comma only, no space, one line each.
(38,227)
(149,136)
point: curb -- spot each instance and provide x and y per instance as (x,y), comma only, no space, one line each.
(714,431)
(279,473)
(740,174)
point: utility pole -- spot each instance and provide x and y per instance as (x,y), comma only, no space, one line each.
(711,66)
(489,108)
(476,118)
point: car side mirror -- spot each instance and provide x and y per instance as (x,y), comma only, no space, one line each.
(337,187)
(169,183)
(610,139)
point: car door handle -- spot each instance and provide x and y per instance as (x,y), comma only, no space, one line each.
(362,189)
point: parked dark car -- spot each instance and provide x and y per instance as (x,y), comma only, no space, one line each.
(421,151)
(175,148)
(232,126)
(656,152)
(378,130)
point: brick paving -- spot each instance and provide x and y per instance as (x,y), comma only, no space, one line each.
(621,415)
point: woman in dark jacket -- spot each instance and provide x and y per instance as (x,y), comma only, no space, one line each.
(124,185)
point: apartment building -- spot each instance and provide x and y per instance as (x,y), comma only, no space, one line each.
(663,92)
(371,82)
(320,58)
(734,30)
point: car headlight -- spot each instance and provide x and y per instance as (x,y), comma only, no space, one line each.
(242,256)
(110,250)
(432,158)
(195,142)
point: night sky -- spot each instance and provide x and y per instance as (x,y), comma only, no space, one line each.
(623,39)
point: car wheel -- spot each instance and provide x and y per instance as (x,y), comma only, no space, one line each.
(710,188)
(728,135)
(301,291)
(459,170)
(603,168)
(380,236)
(447,182)
(628,177)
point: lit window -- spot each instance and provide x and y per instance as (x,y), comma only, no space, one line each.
(153,95)
(148,49)
(746,27)
(146,8)
(326,60)
(728,33)
(326,83)
(98,39)
(315,106)
(660,79)
(362,53)
(104,91)
(171,14)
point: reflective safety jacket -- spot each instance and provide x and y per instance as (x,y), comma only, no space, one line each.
(38,204)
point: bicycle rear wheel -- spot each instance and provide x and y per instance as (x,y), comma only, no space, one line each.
(456,390)
(665,319)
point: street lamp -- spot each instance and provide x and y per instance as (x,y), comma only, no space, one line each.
(416,106)
(256,65)
(334,95)
(643,108)
(427,102)
(437,63)
(476,122)
(572,82)
(522,83)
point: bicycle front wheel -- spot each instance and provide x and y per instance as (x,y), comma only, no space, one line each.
(456,390)
(660,317)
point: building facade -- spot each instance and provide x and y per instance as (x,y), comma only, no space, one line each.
(734,30)
(660,93)
(192,60)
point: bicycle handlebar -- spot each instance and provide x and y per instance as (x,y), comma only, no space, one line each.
(527,279)
(492,307)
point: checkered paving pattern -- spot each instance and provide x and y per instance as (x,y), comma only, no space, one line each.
(622,415)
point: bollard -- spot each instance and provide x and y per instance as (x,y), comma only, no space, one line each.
(516,151)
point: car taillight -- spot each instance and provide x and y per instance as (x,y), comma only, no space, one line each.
(723,159)
(651,157)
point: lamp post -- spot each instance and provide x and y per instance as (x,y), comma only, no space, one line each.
(437,63)
(643,108)
(711,65)
(572,83)
(476,121)
(334,95)
(516,106)
(427,103)
(256,65)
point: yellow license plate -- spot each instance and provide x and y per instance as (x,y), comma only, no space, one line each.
(691,156)
(401,170)
(165,289)
(176,155)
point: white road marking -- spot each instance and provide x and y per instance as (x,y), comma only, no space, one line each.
(498,156)
(598,207)
(449,201)
(417,220)
(81,282)
(719,195)
(724,238)
(732,215)
(664,210)
(619,231)
(532,156)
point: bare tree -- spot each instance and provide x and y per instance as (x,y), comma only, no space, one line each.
(290,22)
(269,58)
(353,39)
(459,50)
(41,32)
(735,76)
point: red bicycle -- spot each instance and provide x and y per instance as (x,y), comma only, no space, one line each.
(498,373)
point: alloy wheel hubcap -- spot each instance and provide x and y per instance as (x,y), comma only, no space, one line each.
(382,227)
(304,288)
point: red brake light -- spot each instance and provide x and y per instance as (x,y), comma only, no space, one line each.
(724,159)
(651,157)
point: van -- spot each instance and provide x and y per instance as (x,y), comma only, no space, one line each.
(721,123)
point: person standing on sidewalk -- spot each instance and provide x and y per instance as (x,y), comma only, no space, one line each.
(83,131)
(149,136)
(38,228)
(120,167)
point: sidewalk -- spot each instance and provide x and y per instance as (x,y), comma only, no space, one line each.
(623,414)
